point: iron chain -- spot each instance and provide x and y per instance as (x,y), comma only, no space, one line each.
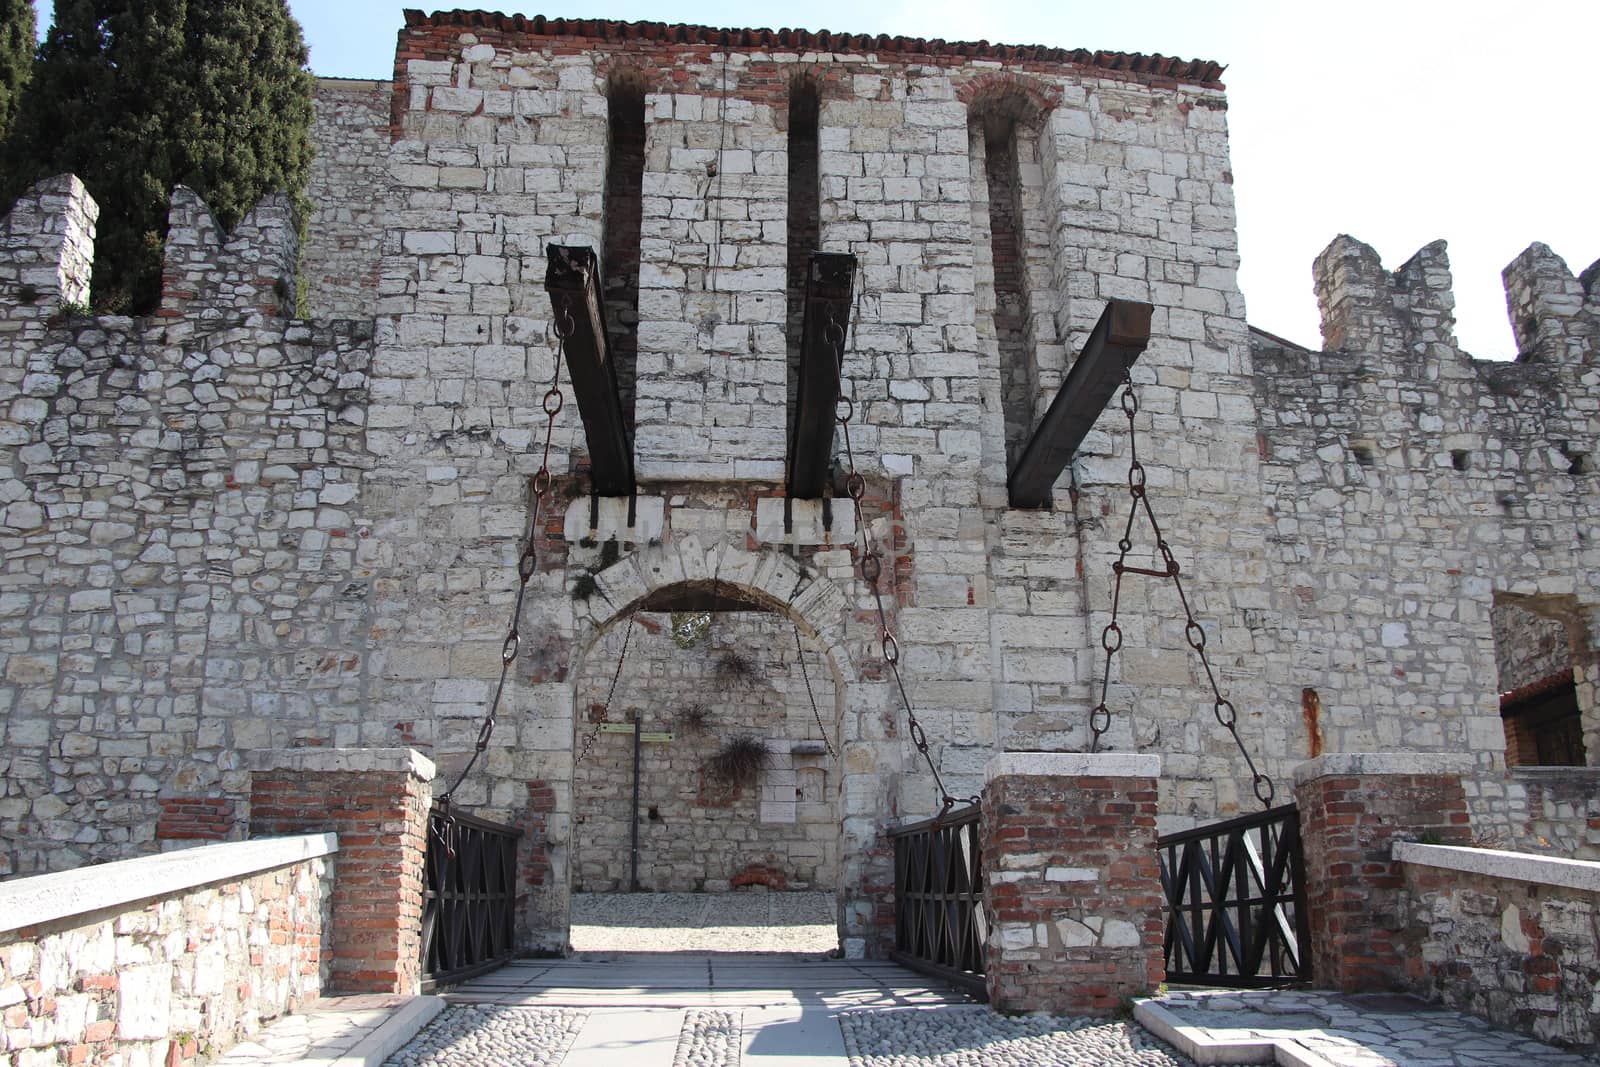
(872,570)
(1226,714)
(527,566)
(588,742)
(805,675)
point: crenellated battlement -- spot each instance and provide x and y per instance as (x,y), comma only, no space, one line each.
(207,274)
(1554,315)
(47,249)
(1367,309)
(47,257)
(1410,312)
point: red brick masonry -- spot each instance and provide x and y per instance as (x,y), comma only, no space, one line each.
(1353,807)
(1072,883)
(377,801)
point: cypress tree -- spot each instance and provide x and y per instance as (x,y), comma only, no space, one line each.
(136,96)
(16,55)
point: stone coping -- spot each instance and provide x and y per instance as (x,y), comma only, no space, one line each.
(47,897)
(353,760)
(1374,763)
(1073,765)
(1496,863)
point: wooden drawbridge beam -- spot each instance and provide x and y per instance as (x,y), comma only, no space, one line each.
(829,277)
(1116,341)
(573,281)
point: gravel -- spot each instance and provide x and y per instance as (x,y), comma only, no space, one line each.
(479,1034)
(710,1038)
(977,1037)
(705,922)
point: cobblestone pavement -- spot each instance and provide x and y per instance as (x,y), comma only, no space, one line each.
(1369,1030)
(977,1037)
(484,1034)
(704,922)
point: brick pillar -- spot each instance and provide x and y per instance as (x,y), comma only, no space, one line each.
(1353,806)
(377,801)
(1072,883)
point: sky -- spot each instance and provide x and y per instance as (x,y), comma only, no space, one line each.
(1397,122)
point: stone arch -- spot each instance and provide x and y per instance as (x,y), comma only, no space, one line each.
(767,578)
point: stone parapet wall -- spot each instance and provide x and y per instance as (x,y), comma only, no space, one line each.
(162,960)
(1506,936)
(1412,488)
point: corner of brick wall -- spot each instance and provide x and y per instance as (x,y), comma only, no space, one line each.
(1355,891)
(381,817)
(1072,891)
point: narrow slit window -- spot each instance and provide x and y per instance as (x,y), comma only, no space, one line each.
(623,219)
(805,225)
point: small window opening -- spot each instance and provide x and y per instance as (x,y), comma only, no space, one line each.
(1460,459)
(1538,697)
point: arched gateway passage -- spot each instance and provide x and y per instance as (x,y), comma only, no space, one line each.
(710,688)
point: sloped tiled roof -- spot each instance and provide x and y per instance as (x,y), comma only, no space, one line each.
(1202,71)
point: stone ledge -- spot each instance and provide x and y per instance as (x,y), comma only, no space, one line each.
(352,760)
(1583,875)
(1073,765)
(1376,763)
(48,897)
(1202,1047)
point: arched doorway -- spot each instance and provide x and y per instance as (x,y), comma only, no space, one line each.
(726,650)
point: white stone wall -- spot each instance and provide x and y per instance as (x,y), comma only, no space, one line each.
(349,195)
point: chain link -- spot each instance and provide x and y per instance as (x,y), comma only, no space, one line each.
(527,565)
(588,742)
(805,675)
(1111,637)
(872,570)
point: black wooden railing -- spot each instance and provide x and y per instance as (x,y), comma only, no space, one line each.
(1236,908)
(469,904)
(939,927)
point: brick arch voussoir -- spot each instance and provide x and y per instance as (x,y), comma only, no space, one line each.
(1014,95)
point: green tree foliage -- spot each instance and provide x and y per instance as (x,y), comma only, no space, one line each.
(136,96)
(16,55)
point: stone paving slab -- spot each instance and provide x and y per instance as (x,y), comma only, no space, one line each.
(349,1031)
(1316,1028)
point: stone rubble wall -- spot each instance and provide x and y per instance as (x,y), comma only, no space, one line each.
(349,198)
(1520,953)
(182,580)
(173,980)
(696,832)
(1409,486)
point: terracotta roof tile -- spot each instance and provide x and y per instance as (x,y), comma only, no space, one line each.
(1204,72)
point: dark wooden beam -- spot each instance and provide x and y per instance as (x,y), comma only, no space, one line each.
(1117,340)
(573,281)
(829,276)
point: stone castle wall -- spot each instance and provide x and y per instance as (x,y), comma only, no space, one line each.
(1410,486)
(349,186)
(181,576)
(228,530)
